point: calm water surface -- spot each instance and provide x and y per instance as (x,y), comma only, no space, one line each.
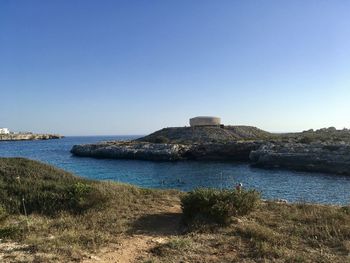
(292,186)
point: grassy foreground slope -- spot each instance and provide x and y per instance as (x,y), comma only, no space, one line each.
(105,211)
(74,219)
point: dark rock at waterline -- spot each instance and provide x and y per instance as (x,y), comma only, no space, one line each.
(132,150)
(316,157)
(238,151)
(325,150)
(233,151)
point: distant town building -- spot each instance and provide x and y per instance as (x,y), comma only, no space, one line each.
(4,131)
(205,121)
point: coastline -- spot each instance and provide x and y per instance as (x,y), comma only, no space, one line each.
(109,221)
(324,150)
(184,175)
(29,137)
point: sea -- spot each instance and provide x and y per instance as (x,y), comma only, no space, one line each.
(184,175)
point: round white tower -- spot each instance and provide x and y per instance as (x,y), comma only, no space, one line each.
(205,121)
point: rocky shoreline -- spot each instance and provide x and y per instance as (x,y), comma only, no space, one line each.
(28,136)
(235,151)
(315,157)
(318,157)
(325,150)
(132,150)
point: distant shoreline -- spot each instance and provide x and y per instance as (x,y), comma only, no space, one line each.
(325,150)
(29,137)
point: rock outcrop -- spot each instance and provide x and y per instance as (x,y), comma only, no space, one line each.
(132,150)
(28,136)
(325,150)
(237,151)
(206,134)
(314,157)
(233,151)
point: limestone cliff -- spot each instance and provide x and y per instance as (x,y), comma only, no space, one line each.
(314,157)
(324,150)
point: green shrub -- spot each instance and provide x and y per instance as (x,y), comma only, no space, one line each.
(346,209)
(10,232)
(39,188)
(161,139)
(217,206)
(3,213)
(306,139)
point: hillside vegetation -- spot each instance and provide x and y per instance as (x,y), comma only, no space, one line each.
(206,134)
(49,215)
(213,134)
(330,135)
(68,217)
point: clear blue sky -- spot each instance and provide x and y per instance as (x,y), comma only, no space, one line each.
(132,67)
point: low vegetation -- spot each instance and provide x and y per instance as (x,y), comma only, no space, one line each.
(26,188)
(274,232)
(68,217)
(206,134)
(217,206)
(325,135)
(54,216)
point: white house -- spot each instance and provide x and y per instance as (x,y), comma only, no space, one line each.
(4,131)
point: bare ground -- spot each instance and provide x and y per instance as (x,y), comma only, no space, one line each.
(148,232)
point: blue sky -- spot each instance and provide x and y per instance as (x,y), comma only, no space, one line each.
(132,67)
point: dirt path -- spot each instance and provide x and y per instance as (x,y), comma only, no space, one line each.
(149,231)
(130,250)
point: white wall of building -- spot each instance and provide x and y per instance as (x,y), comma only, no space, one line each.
(205,121)
(4,131)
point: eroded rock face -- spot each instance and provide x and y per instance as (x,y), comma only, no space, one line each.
(132,150)
(316,157)
(233,151)
(238,151)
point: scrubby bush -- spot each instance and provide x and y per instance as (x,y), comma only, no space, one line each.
(346,209)
(3,213)
(32,187)
(307,139)
(217,206)
(161,139)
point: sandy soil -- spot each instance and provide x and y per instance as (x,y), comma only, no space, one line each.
(148,232)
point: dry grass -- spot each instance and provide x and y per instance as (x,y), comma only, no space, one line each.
(72,237)
(272,233)
(66,235)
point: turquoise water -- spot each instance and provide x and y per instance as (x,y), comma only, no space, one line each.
(275,184)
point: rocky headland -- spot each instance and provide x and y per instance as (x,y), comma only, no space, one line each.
(314,157)
(28,136)
(234,151)
(184,143)
(325,150)
(132,150)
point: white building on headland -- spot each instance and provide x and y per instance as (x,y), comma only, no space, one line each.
(4,131)
(205,121)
